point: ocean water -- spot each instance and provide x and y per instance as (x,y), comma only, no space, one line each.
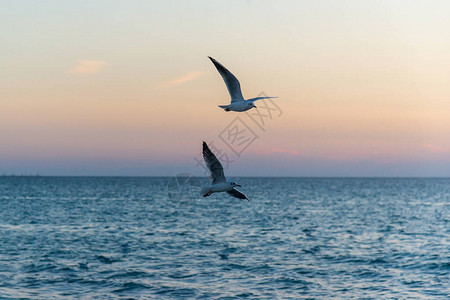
(144,238)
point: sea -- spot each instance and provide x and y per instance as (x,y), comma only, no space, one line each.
(157,238)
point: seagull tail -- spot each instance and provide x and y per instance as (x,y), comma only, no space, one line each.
(225,107)
(205,191)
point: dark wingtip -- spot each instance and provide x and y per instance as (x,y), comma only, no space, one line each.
(213,60)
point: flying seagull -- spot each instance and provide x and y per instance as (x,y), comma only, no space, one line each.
(219,182)
(238,103)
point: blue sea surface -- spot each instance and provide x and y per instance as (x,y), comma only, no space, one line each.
(313,238)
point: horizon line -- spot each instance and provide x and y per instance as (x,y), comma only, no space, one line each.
(246,176)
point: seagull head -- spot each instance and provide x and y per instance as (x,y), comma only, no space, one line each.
(251,104)
(234,184)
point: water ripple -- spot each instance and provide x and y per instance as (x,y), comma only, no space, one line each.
(124,238)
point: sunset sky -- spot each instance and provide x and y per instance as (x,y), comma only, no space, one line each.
(126,87)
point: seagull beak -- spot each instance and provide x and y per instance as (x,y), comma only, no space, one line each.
(255,106)
(238,185)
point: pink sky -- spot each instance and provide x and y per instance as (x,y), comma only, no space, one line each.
(129,90)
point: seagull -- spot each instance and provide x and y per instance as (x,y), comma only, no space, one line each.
(238,103)
(219,182)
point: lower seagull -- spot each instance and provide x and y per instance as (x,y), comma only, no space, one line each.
(219,182)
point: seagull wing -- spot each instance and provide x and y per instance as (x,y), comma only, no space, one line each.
(213,164)
(233,86)
(259,98)
(235,193)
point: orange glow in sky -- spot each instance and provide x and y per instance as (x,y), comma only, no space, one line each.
(114,88)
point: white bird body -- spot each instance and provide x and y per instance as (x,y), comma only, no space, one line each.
(238,103)
(238,106)
(219,182)
(220,187)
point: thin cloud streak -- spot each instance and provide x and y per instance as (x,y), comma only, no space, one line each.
(87,67)
(185,78)
(435,149)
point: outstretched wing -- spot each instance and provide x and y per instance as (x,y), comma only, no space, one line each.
(233,86)
(213,164)
(235,193)
(259,98)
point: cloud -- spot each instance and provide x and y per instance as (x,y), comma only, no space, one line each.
(280,151)
(285,151)
(185,78)
(434,148)
(87,67)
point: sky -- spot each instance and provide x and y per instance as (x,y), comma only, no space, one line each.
(125,88)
